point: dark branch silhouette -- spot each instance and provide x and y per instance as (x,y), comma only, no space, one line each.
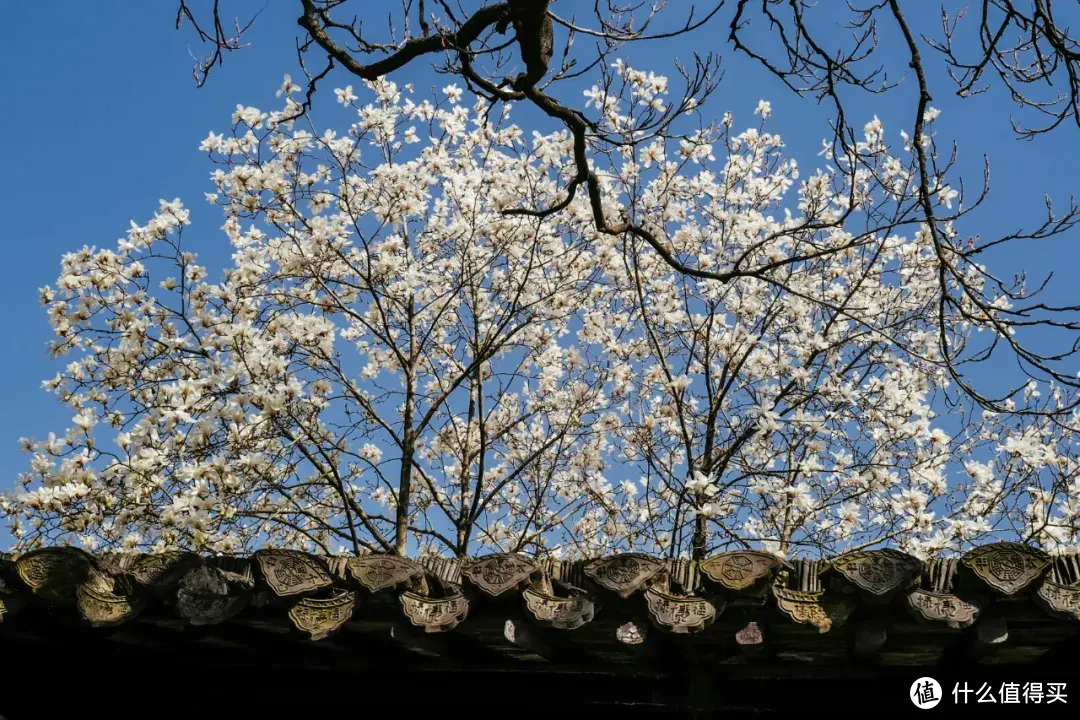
(1020,43)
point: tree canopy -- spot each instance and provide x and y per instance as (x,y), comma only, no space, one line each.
(649,329)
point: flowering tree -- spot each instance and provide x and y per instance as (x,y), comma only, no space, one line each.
(426,341)
(787,377)
(370,317)
(521,50)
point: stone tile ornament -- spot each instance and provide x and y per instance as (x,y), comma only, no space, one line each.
(105,609)
(288,572)
(751,640)
(739,570)
(320,596)
(54,573)
(556,612)
(625,574)
(803,607)
(382,572)
(813,608)
(1008,568)
(631,634)
(321,617)
(679,615)
(941,609)
(161,571)
(879,572)
(208,596)
(495,574)
(1059,600)
(434,614)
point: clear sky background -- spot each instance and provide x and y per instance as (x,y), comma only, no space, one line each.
(103,118)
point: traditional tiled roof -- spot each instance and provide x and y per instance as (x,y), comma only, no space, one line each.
(1006,600)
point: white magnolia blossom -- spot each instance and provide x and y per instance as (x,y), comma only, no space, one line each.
(393,362)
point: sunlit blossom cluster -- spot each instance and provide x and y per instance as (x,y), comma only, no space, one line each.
(392,361)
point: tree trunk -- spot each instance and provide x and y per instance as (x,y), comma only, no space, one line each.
(701,533)
(401,519)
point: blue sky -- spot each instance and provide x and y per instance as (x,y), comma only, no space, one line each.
(104,118)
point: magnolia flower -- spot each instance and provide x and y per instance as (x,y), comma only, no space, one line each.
(212,143)
(380,317)
(1031,390)
(946,195)
(654,153)
(345,95)
(453,92)
(701,484)
(288,87)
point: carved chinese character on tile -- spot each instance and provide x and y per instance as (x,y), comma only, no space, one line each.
(879,572)
(941,609)
(1007,567)
(320,617)
(739,570)
(1058,599)
(381,572)
(434,614)
(803,607)
(679,615)
(625,574)
(292,573)
(103,609)
(556,612)
(495,574)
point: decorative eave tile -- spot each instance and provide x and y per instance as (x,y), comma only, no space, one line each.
(812,608)
(434,614)
(54,573)
(382,572)
(320,617)
(740,570)
(1007,567)
(625,574)
(493,575)
(559,613)
(1059,600)
(941,609)
(289,572)
(879,572)
(680,615)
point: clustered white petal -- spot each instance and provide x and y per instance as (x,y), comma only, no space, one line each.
(392,358)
